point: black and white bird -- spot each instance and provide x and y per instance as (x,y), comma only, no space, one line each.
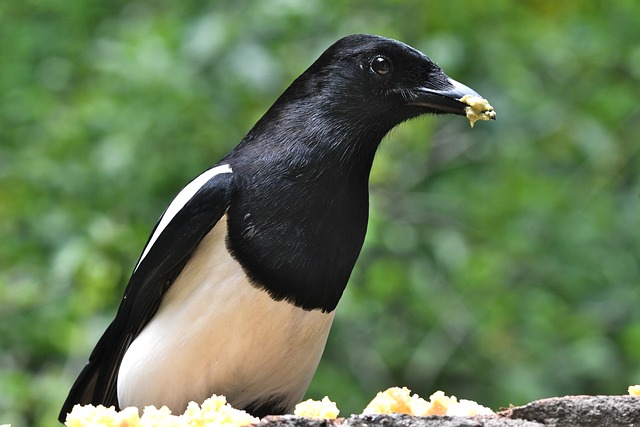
(237,286)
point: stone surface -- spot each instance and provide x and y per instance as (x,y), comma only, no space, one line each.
(397,420)
(574,411)
(601,411)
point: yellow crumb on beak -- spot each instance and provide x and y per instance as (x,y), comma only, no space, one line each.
(478,109)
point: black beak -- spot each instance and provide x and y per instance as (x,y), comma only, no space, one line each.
(446,100)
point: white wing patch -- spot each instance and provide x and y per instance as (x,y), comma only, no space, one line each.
(178,203)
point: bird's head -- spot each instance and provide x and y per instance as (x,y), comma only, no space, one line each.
(343,105)
(363,77)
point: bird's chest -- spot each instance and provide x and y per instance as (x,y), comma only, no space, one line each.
(300,240)
(216,333)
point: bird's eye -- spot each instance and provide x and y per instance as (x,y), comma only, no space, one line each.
(381,65)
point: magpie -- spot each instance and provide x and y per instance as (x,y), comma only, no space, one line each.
(236,288)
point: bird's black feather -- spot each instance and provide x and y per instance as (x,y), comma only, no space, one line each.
(303,171)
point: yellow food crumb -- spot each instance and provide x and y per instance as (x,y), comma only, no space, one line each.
(154,417)
(394,400)
(401,401)
(99,416)
(478,109)
(440,403)
(468,408)
(634,390)
(213,411)
(324,408)
(216,411)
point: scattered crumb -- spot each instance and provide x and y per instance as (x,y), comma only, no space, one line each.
(468,408)
(394,400)
(634,390)
(324,409)
(216,411)
(400,400)
(478,109)
(90,415)
(213,411)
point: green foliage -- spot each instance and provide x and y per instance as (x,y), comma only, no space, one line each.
(502,263)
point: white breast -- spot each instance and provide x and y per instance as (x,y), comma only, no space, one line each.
(216,333)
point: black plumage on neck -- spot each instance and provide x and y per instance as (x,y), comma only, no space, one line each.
(299,209)
(311,173)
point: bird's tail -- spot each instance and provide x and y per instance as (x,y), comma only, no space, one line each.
(97,382)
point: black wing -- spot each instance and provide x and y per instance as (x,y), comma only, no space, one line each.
(175,237)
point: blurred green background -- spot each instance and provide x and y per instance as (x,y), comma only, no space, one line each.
(502,263)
